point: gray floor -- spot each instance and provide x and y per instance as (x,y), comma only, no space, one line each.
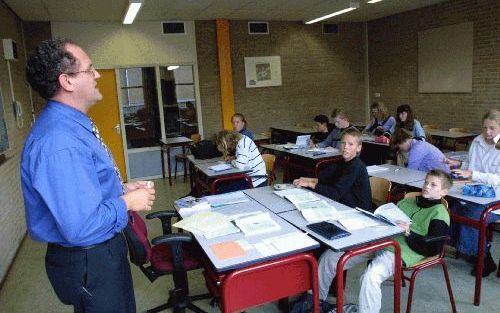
(27,289)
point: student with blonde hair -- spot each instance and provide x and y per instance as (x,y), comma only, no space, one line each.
(242,152)
(483,166)
(382,123)
(342,123)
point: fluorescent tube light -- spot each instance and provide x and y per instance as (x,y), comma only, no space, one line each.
(172,67)
(133,8)
(373,1)
(353,5)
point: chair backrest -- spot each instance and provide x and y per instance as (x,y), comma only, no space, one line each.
(410,195)
(196,138)
(300,125)
(270,160)
(429,126)
(266,134)
(136,235)
(457,130)
(380,188)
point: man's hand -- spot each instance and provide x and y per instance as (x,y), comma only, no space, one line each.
(138,184)
(141,199)
(306,182)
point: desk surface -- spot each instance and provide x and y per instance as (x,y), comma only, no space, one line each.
(204,168)
(357,237)
(297,129)
(196,161)
(399,175)
(448,134)
(370,139)
(253,255)
(302,152)
(259,137)
(457,155)
(456,192)
(175,140)
(273,202)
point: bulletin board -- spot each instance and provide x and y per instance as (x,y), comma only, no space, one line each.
(445,59)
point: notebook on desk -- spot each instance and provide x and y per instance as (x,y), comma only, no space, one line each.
(300,142)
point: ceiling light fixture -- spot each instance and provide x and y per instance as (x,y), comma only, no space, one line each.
(172,67)
(133,8)
(353,5)
(373,1)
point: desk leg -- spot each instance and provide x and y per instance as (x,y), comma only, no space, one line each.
(184,160)
(162,162)
(365,249)
(191,178)
(168,163)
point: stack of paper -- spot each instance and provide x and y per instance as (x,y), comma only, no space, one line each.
(375,168)
(284,243)
(190,205)
(311,206)
(220,167)
(257,224)
(226,199)
(208,224)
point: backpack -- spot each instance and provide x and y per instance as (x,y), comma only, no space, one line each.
(205,149)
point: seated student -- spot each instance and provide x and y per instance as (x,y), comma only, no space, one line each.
(342,123)
(323,126)
(346,182)
(429,218)
(483,166)
(405,120)
(381,122)
(240,125)
(243,154)
(422,155)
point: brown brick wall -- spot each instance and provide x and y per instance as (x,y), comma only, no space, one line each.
(319,72)
(393,57)
(208,73)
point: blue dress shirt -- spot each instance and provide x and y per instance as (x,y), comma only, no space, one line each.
(246,132)
(70,187)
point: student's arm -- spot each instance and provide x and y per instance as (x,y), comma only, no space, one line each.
(418,130)
(418,243)
(242,151)
(342,185)
(486,178)
(390,124)
(415,158)
(328,141)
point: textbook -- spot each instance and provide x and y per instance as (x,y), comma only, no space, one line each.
(389,213)
(375,168)
(311,206)
(226,199)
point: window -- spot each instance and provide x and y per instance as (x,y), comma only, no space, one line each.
(140,107)
(179,100)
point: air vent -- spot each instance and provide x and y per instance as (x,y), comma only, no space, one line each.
(173,28)
(258,28)
(330,28)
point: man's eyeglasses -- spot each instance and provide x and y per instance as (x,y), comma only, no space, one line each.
(91,70)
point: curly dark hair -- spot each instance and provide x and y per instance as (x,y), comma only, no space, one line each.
(49,60)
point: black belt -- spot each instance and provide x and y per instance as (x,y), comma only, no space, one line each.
(76,248)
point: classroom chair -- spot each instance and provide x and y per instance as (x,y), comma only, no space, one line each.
(321,164)
(226,179)
(270,160)
(300,124)
(196,138)
(459,144)
(427,128)
(426,263)
(171,254)
(381,191)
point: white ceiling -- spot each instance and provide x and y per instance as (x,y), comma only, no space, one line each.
(162,10)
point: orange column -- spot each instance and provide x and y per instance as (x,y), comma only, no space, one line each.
(225,72)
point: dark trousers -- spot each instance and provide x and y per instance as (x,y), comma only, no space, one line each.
(236,185)
(95,280)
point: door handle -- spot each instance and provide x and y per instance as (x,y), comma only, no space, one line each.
(118,129)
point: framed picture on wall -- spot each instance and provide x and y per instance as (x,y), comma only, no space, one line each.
(263,71)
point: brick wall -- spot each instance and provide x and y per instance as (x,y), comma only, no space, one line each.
(319,72)
(208,73)
(393,62)
(12,224)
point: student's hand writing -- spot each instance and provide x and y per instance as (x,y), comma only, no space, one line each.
(229,158)
(462,173)
(404,226)
(304,182)
(141,199)
(452,162)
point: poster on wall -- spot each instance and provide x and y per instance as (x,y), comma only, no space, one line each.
(4,140)
(263,71)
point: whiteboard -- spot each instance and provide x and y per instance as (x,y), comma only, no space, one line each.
(445,59)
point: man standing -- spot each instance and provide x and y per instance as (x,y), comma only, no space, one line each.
(74,197)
